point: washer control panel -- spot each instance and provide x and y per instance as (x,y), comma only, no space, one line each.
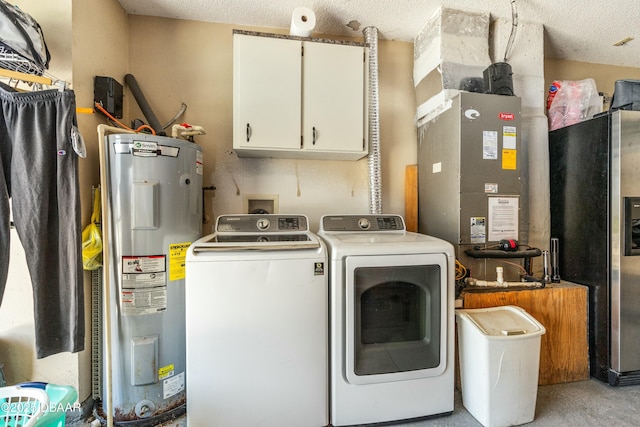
(248,223)
(362,223)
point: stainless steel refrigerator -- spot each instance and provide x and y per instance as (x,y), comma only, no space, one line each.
(472,180)
(595,214)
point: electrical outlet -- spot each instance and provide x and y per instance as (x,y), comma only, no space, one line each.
(261,204)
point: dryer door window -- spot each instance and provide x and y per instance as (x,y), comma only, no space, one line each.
(396,317)
(390,312)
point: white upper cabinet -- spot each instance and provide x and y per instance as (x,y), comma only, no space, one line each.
(267,108)
(333,97)
(298,98)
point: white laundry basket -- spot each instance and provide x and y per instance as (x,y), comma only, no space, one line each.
(21,406)
(36,404)
(499,352)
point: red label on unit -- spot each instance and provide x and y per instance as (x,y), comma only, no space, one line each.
(506,116)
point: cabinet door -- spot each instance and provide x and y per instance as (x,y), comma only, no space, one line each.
(333,97)
(266,92)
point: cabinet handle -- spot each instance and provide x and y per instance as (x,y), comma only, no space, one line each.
(248,132)
(315,135)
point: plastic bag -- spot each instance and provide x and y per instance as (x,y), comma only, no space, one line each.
(571,102)
(92,238)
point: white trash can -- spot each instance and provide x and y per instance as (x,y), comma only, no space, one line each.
(499,351)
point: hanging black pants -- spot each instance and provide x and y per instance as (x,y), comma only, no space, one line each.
(39,172)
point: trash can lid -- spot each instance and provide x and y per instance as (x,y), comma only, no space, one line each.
(504,321)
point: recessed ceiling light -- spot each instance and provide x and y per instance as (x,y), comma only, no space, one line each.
(623,41)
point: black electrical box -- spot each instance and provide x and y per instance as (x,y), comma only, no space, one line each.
(108,93)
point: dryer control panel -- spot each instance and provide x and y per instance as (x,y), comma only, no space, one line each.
(375,223)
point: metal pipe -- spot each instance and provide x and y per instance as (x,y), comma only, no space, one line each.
(375,178)
(545,267)
(555,268)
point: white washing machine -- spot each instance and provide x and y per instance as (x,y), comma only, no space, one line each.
(257,324)
(391,296)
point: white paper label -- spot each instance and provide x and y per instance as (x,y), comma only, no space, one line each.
(503,218)
(489,145)
(478,229)
(172,386)
(509,137)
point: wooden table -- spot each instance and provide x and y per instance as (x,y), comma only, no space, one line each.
(562,309)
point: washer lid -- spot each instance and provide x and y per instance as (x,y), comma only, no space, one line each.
(256,242)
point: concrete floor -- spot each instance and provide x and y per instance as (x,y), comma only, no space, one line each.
(577,404)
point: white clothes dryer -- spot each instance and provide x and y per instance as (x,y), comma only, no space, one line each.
(391,298)
(257,324)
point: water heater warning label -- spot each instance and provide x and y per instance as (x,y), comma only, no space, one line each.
(144,285)
(143,264)
(178,260)
(166,371)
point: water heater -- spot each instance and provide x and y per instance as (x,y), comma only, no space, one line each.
(154,193)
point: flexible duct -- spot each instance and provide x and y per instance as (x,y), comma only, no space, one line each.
(375,179)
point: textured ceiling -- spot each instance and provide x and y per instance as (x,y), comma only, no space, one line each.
(580,30)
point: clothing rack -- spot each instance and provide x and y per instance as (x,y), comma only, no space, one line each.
(16,68)
(15,62)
